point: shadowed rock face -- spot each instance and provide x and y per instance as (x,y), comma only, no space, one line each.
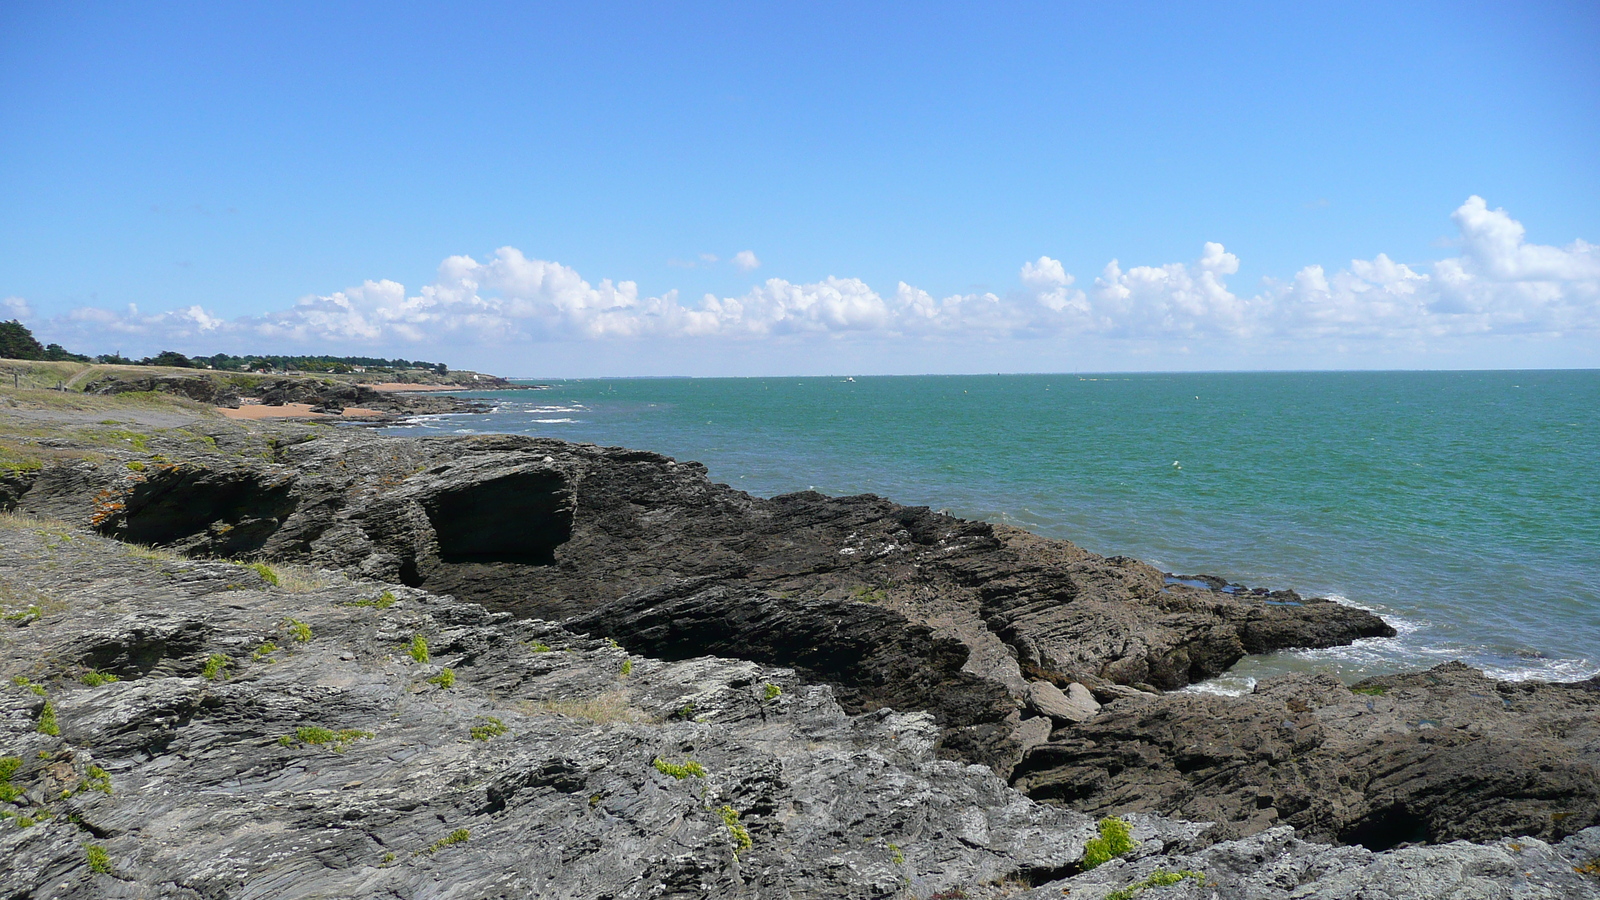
(1434,756)
(518,518)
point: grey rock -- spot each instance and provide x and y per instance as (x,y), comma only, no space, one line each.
(1425,757)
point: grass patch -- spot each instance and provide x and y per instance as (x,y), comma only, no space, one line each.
(24,683)
(491,728)
(299,631)
(264,570)
(264,652)
(445,679)
(1114,841)
(9,765)
(301,580)
(382,601)
(627,668)
(140,551)
(95,779)
(686,769)
(1158,878)
(611,706)
(1371,690)
(865,594)
(99,859)
(770,692)
(539,646)
(459,836)
(94,678)
(313,736)
(216,667)
(739,833)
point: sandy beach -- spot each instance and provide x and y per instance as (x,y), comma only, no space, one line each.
(293,411)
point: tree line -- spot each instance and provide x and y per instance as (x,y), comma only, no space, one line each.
(17,342)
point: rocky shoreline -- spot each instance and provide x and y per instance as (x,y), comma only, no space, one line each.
(883,701)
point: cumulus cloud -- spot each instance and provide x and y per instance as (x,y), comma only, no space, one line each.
(1498,284)
(16,308)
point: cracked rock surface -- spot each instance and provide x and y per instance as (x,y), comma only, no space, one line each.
(298,740)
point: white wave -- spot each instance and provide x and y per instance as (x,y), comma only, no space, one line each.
(554,421)
(1225,685)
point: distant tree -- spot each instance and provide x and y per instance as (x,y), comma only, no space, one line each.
(17,342)
(57,353)
(168,358)
(442,369)
(113,359)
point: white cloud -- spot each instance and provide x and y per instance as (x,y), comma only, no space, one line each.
(16,308)
(1498,284)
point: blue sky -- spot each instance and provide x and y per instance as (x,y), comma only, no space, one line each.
(916,188)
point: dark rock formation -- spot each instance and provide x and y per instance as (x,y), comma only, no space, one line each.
(546,529)
(196,387)
(1427,757)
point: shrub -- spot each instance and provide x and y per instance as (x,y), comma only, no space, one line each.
(298,630)
(627,668)
(739,833)
(445,679)
(216,665)
(9,793)
(770,692)
(687,768)
(264,651)
(491,728)
(47,720)
(1114,841)
(539,646)
(419,648)
(95,679)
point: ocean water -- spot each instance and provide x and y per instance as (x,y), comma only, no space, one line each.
(1464,507)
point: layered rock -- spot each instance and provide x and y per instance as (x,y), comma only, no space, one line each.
(297,739)
(548,529)
(1427,757)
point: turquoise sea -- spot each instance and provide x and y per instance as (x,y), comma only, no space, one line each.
(1464,507)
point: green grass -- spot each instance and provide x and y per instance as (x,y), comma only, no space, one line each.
(865,594)
(419,648)
(1371,690)
(491,728)
(99,860)
(627,668)
(298,630)
(313,736)
(264,652)
(770,692)
(445,679)
(1114,841)
(686,769)
(1158,878)
(539,646)
(264,570)
(96,678)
